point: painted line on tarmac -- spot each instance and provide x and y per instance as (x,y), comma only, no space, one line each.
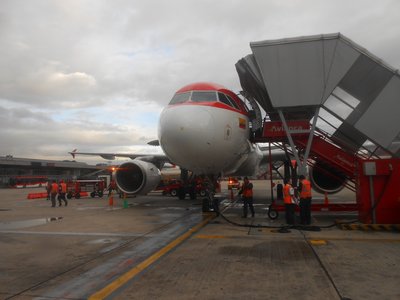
(117,283)
(202,236)
(73,233)
(355,239)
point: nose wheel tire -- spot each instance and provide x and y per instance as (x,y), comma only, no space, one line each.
(272,212)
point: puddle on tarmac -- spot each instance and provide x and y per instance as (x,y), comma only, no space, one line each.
(171,208)
(103,241)
(89,208)
(27,223)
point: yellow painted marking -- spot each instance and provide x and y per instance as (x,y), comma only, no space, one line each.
(117,283)
(371,227)
(202,236)
(367,240)
(318,242)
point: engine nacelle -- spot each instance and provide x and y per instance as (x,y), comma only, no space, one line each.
(326,179)
(137,177)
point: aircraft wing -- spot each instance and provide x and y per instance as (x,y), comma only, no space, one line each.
(158,159)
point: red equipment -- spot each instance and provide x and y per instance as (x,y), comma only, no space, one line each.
(172,187)
(25,181)
(233,183)
(378,193)
(376,181)
(80,188)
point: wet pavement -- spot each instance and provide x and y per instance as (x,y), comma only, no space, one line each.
(164,248)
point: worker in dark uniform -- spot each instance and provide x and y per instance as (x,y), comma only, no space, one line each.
(304,189)
(62,191)
(279,191)
(112,186)
(53,193)
(247,195)
(48,189)
(289,200)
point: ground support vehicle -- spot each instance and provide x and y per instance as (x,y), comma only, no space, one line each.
(176,188)
(233,183)
(79,187)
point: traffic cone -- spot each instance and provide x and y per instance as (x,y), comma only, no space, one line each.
(125,201)
(326,200)
(111,201)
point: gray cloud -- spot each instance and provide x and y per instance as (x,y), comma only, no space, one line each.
(80,74)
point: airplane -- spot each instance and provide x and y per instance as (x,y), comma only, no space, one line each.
(204,129)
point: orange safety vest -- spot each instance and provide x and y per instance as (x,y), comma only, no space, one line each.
(287,198)
(246,191)
(63,187)
(54,188)
(305,189)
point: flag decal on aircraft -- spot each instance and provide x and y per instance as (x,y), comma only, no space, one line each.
(242,123)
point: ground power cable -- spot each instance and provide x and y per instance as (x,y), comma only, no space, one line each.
(282,228)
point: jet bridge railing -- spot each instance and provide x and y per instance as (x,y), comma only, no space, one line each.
(323,151)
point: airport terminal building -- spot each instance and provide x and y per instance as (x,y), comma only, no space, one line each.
(12,168)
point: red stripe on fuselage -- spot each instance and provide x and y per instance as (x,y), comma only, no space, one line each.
(210,104)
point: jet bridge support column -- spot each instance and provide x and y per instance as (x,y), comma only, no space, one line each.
(302,170)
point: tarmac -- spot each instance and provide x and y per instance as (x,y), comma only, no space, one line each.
(159,247)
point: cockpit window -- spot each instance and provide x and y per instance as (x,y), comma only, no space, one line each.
(228,100)
(200,96)
(234,103)
(180,98)
(224,99)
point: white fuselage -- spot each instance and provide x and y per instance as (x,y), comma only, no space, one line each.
(206,139)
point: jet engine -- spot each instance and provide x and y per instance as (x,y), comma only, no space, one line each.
(326,179)
(137,177)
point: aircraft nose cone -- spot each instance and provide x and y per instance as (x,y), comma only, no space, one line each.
(186,135)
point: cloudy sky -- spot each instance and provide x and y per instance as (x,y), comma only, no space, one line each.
(94,74)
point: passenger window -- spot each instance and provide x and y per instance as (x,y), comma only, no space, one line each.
(204,96)
(180,98)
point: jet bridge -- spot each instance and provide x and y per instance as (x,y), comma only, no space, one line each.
(347,101)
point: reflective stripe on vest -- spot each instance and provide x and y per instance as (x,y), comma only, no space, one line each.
(305,189)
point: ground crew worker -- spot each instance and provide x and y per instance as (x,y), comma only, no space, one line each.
(247,195)
(48,189)
(53,193)
(305,200)
(112,186)
(62,191)
(215,202)
(288,199)
(279,191)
